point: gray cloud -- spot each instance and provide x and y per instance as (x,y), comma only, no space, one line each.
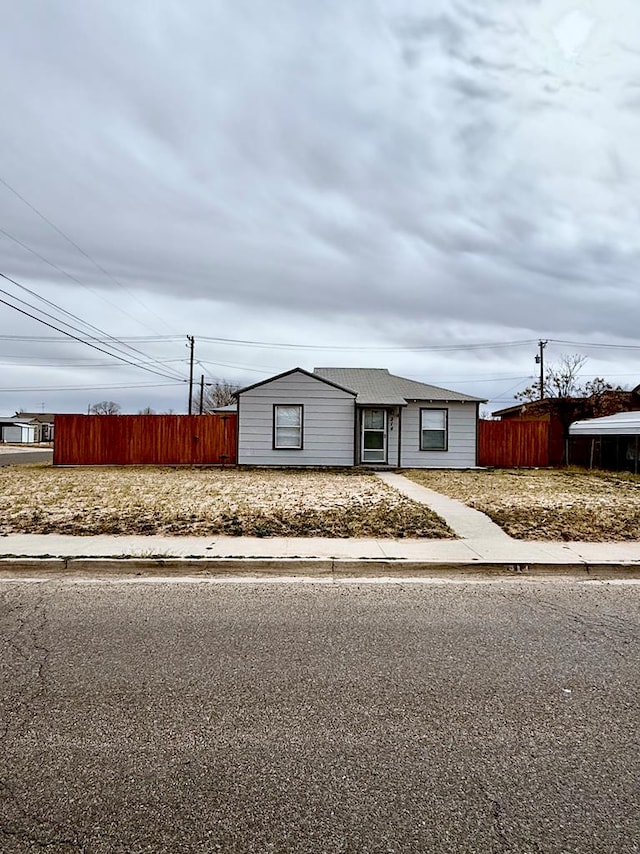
(308,171)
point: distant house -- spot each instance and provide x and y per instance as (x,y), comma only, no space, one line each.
(43,422)
(355,416)
(17,431)
(560,412)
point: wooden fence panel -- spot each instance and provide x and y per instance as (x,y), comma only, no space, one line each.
(512,444)
(129,440)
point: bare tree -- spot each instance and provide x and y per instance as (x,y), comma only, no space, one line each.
(219,394)
(569,398)
(561,380)
(147,411)
(105,407)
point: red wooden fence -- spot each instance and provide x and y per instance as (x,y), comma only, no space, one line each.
(510,444)
(129,440)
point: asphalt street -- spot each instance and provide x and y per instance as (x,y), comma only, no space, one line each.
(13,458)
(353,717)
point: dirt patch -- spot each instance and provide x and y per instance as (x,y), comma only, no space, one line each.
(547,504)
(201,502)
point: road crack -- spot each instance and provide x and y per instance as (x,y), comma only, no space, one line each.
(24,665)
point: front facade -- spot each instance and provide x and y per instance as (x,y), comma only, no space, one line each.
(295,419)
(355,416)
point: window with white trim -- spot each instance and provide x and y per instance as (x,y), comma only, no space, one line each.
(433,429)
(287,427)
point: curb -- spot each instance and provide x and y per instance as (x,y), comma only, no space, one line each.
(74,567)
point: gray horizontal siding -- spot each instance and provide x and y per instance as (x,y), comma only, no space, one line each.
(462,437)
(328,421)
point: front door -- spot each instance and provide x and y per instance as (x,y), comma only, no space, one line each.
(374,436)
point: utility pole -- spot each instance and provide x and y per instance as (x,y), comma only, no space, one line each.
(540,361)
(201,393)
(191,345)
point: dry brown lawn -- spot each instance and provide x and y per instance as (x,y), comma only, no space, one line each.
(43,500)
(547,504)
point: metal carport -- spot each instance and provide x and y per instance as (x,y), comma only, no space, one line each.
(618,436)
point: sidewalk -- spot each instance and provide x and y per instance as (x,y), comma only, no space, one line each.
(482,546)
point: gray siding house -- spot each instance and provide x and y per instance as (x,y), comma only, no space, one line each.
(355,416)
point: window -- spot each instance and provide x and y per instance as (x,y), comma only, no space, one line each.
(287,427)
(433,429)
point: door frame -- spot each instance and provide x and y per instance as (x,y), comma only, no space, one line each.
(384,431)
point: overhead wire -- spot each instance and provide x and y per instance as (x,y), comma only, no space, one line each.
(98,266)
(337,347)
(118,342)
(377,348)
(89,387)
(596,345)
(19,362)
(79,339)
(106,337)
(57,339)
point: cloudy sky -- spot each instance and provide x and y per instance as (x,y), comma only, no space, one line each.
(428,187)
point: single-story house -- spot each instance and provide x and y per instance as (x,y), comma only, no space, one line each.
(615,440)
(355,416)
(17,431)
(43,422)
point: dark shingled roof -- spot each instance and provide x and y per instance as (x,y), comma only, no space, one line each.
(377,387)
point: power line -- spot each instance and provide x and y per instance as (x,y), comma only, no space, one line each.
(76,338)
(69,314)
(58,339)
(336,347)
(386,349)
(252,370)
(19,362)
(70,325)
(90,387)
(69,276)
(587,344)
(79,282)
(79,249)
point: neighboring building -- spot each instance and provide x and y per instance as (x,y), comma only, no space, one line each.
(355,416)
(43,422)
(560,412)
(615,440)
(17,431)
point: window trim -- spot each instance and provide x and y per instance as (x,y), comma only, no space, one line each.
(446,428)
(274,425)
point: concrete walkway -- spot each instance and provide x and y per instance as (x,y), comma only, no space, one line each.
(481,546)
(467,523)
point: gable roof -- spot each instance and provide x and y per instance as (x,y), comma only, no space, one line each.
(294,371)
(377,387)
(40,417)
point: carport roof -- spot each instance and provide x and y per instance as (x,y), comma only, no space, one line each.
(620,424)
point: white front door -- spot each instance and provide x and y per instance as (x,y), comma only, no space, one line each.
(374,436)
